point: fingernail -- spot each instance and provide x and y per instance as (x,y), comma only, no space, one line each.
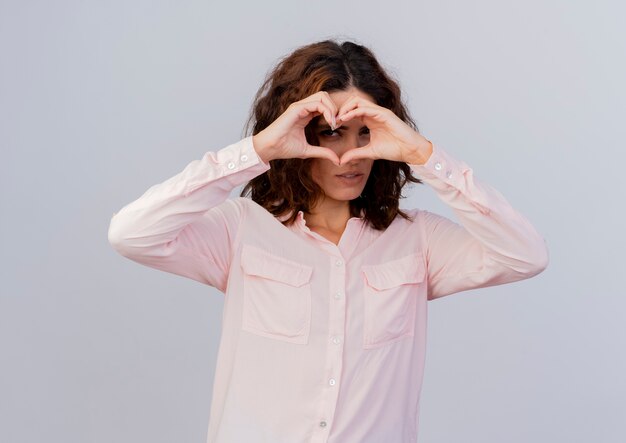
(334,123)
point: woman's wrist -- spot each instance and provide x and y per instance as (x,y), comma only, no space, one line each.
(422,153)
(260,147)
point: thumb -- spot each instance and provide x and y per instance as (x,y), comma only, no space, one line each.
(356,153)
(320,152)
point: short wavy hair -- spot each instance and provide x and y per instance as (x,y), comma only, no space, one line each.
(326,66)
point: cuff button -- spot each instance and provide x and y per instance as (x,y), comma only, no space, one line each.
(244,158)
(231,165)
(437,166)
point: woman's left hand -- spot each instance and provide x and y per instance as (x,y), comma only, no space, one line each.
(390,137)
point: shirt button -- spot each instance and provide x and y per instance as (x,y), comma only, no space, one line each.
(332,382)
(322,424)
(244,158)
(337,295)
(336,340)
(338,263)
(449,174)
(437,166)
(231,165)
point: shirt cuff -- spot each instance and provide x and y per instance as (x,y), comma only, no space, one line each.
(237,163)
(241,162)
(439,166)
(443,172)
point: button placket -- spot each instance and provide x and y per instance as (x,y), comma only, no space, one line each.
(334,349)
(336,339)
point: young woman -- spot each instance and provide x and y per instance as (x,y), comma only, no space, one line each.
(326,280)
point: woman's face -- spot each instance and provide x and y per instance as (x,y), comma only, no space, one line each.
(350,135)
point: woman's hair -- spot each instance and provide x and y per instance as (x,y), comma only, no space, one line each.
(327,66)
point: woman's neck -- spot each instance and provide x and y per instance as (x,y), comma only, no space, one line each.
(330,216)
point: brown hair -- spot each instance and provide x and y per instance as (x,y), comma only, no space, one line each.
(328,66)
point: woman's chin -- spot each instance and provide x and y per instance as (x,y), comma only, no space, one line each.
(347,196)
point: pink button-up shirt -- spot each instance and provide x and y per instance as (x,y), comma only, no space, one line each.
(322,342)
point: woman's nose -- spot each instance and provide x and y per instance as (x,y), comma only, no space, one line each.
(352,142)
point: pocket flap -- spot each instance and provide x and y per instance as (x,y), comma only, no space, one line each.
(256,261)
(405,270)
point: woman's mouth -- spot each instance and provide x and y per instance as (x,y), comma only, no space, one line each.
(350,178)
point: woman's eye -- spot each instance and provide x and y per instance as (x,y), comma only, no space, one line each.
(330,132)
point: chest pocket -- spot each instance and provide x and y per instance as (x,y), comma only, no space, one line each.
(276,296)
(390,296)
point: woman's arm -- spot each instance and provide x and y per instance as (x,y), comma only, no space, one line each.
(185,225)
(494,244)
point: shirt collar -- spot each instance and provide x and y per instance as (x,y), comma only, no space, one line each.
(300,217)
(302,221)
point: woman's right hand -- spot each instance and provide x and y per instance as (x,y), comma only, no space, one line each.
(285,137)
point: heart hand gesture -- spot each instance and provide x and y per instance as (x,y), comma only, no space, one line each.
(285,137)
(390,137)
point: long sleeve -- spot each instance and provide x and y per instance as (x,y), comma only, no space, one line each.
(186,224)
(493,245)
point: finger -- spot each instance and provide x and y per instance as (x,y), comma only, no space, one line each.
(356,101)
(358,153)
(361,111)
(349,104)
(319,107)
(321,152)
(322,98)
(331,104)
